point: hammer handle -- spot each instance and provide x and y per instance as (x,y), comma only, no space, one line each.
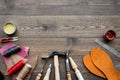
(38,77)
(69,76)
(56,64)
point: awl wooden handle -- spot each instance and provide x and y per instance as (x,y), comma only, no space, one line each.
(47,74)
(69,76)
(77,72)
(73,64)
(56,64)
(38,77)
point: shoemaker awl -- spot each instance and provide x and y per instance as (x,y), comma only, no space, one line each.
(113,51)
(77,72)
(48,73)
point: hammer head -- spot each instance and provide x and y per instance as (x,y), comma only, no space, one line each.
(54,53)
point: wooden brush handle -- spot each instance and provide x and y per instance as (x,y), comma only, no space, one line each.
(69,76)
(38,77)
(56,64)
(47,74)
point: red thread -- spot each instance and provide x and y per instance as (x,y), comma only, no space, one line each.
(16,67)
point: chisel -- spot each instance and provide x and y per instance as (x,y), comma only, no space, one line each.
(68,67)
(105,46)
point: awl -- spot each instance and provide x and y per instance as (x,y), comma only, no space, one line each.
(77,72)
(48,73)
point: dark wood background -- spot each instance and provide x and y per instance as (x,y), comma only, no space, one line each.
(48,25)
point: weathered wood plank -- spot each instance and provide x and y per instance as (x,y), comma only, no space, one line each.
(62,26)
(47,33)
(59,7)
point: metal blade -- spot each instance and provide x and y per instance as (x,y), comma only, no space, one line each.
(113,51)
(67,62)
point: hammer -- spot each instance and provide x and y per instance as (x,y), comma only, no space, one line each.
(56,62)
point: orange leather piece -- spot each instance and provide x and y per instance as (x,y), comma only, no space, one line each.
(91,67)
(100,64)
(102,61)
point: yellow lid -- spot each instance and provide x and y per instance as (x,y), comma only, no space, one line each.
(9,28)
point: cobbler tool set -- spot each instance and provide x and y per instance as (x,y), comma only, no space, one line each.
(20,66)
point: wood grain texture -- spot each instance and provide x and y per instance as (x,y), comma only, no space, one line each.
(45,34)
(59,7)
(48,25)
(63,26)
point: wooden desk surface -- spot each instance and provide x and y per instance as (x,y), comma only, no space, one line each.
(48,25)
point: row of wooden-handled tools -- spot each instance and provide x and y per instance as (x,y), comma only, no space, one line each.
(55,54)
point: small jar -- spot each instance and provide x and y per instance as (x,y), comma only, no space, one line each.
(110,35)
(9,28)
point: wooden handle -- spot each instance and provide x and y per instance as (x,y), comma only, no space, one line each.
(69,76)
(78,74)
(56,64)
(38,76)
(47,74)
(73,64)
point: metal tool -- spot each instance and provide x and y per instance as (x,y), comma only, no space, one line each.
(54,53)
(10,39)
(113,51)
(38,77)
(56,62)
(77,72)
(48,73)
(68,66)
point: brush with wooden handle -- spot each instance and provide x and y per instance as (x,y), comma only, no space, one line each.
(77,72)
(48,73)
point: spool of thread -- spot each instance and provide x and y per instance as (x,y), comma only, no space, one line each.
(1,76)
(19,65)
(23,73)
(12,50)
